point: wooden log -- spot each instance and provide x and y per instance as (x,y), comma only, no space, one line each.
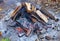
(26,30)
(42,16)
(13,15)
(34,19)
(45,12)
(29,7)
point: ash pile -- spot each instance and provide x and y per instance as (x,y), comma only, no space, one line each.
(29,23)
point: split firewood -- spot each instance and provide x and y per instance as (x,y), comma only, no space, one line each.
(38,17)
(45,12)
(42,16)
(15,11)
(29,7)
(34,19)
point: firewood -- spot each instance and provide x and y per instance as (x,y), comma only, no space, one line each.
(34,19)
(15,11)
(26,30)
(42,16)
(30,7)
(45,12)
